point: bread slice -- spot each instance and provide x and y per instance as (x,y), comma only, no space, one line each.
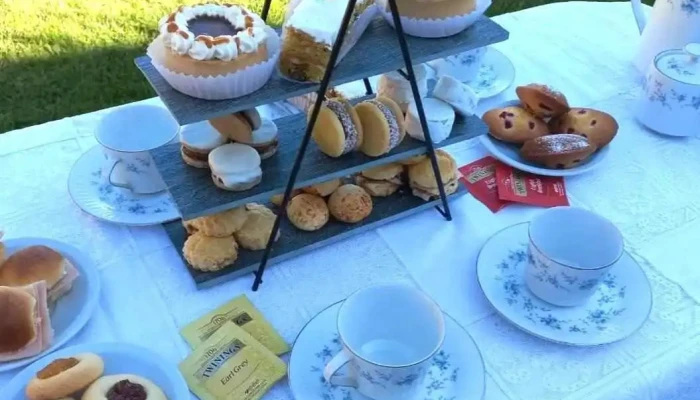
(25,323)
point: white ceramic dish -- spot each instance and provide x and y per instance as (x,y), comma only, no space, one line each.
(73,310)
(457,370)
(119,358)
(94,195)
(510,154)
(496,74)
(618,308)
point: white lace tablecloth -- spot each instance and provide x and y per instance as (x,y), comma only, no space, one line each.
(648,187)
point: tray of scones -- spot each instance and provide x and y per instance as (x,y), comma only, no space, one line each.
(541,134)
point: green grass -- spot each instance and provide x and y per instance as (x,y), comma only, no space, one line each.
(60,58)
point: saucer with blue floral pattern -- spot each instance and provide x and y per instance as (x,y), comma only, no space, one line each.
(94,195)
(618,308)
(457,370)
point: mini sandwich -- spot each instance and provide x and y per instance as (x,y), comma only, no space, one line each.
(239,126)
(198,140)
(39,263)
(338,129)
(381,181)
(25,325)
(264,139)
(422,179)
(235,167)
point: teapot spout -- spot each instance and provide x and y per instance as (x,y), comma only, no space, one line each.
(639,15)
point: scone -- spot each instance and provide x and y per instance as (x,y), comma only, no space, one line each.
(277,199)
(308,212)
(542,101)
(338,129)
(218,225)
(257,228)
(383,125)
(598,127)
(205,253)
(124,387)
(323,189)
(514,124)
(557,151)
(422,179)
(381,181)
(413,160)
(65,376)
(350,203)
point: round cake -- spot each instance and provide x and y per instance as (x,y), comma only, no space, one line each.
(212,39)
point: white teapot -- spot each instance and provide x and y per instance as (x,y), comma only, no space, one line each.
(670,103)
(673,24)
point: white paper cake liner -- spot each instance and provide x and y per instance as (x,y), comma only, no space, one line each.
(229,86)
(437,28)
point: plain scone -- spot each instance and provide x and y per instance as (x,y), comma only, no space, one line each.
(257,228)
(308,212)
(206,253)
(350,203)
(218,225)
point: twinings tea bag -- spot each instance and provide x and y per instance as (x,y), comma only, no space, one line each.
(244,314)
(231,365)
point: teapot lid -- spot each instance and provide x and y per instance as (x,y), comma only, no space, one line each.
(681,65)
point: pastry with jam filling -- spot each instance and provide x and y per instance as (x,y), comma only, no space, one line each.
(65,376)
(124,387)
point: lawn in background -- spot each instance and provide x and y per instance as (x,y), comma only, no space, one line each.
(60,58)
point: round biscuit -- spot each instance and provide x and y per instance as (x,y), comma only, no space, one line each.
(350,203)
(308,212)
(206,253)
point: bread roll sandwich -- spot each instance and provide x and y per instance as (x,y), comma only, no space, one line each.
(422,179)
(39,263)
(381,181)
(25,325)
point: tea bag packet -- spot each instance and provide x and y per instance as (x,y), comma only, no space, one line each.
(480,179)
(526,188)
(244,314)
(231,365)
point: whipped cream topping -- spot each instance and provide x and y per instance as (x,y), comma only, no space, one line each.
(179,38)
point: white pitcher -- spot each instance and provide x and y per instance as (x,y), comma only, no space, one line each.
(672,24)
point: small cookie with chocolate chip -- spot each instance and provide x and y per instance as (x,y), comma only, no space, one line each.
(597,126)
(542,101)
(514,124)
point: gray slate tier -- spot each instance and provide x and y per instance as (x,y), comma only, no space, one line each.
(294,242)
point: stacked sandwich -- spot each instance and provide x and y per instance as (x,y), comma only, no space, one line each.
(32,281)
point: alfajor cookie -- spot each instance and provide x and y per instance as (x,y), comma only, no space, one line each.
(257,228)
(308,212)
(197,141)
(338,129)
(65,376)
(350,203)
(383,125)
(205,253)
(381,181)
(423,181)
(323,189)
(264,139)
(239,126)
(218,225)
(235,167)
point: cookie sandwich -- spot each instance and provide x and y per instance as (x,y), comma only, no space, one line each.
(338,129)
(383,125)
(197,141)
(423,181)
(381,181)
(238,126)
(235,167)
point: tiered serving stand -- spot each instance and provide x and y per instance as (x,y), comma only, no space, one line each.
(298,163)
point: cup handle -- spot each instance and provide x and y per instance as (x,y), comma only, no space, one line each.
(334,366)
(113,162)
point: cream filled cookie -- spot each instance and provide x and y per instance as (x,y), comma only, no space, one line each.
(197,141)
(65,376)
(264,139)
(131,387)
(235,167)
(383,125)
(338,129)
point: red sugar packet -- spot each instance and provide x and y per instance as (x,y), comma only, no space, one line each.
(480,179)
(522,187)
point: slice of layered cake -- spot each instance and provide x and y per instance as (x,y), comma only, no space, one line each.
(311,31)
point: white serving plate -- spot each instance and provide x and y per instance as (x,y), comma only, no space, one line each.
(119,358)
(73,310)
(509,153)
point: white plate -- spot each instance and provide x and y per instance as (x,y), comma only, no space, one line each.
(119,358)
(496,74)
(619,307)
(109,203)
(73,310)
(509,153)
(457,371)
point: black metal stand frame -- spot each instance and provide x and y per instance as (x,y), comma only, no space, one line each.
(409,75)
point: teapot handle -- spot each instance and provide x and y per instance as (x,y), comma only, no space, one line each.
(639,15)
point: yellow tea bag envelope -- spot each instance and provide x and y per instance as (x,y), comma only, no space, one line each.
(244,314)
(231,365)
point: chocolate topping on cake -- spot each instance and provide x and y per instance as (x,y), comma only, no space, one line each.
(212,26)
(127,390)
(346,121)
(391,119)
